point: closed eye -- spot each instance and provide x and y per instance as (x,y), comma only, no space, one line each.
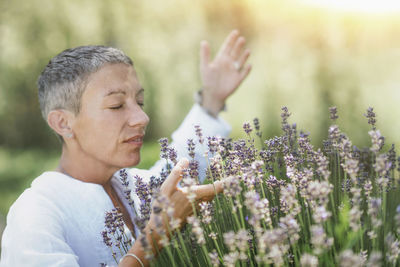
(116,107)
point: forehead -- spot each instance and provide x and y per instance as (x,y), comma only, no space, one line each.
(111,78)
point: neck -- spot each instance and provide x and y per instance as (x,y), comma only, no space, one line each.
(84,168)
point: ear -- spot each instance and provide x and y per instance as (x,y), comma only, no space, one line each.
(60,121)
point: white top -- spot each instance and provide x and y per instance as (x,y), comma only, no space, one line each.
(59,219)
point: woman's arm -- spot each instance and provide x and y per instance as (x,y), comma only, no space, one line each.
(220,79)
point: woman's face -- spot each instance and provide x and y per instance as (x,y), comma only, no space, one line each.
(110,126)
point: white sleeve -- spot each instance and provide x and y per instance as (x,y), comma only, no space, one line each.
(210,127)
(34,237)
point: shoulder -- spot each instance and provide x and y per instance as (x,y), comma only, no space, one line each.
(51,197)
(35,205)
(34,229)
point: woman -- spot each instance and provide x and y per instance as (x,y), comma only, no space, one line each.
(91,98)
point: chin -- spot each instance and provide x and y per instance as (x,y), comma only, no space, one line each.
(132,162)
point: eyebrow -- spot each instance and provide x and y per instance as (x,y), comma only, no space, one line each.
(120,91)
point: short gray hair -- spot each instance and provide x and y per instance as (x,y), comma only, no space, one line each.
(64,79)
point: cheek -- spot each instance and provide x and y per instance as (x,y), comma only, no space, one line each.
(98,132)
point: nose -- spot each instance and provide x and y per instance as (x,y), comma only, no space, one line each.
(137,117)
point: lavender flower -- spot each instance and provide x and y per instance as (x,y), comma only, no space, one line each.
(305,145)
(164,148)
(247,128)
(371,117)
(199,133)
(374,259)
(212,144)
(323,164)
(374,207)
(285,114)
(256,123)
(382,165)
(229,240)
(215,168)
(188,185)
(194,169)
(393,248)
(272,247)
(259,208)
(348,259)
(123,175)
(231,186)
(392,157)
(172,155)
(320,214)
(191,148)
(318,192)
(214,258)
(351,167)
(206,211)
(242,237)
(308,260)
(197,230)
(106,239)
(291,227)
(288,201)
(354,218)
(333,112)
(334,135)
(143,192)
(231,258)
(319,240)
(237,244)
(146,247)
(377,140)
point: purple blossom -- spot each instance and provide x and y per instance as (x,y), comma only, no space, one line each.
(143,192)
(163,147)
(333,112)
(172,155)
(247,128)
(194,169)
(191,148)
(106,239)
(123,175)
(370,115)
(212,143)
(256,123)
(199,133)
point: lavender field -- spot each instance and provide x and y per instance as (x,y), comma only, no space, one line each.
(286,203)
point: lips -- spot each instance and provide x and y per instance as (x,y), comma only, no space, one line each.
(135,140)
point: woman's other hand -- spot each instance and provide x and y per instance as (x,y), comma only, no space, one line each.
(178,197)
(222,76)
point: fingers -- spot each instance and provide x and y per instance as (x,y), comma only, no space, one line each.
(204,192)
(204,54)
(208,191)
(243,57)
(229,42)
(237,48)
(244,72)
(170,184)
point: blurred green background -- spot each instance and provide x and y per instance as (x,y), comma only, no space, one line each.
(305,56)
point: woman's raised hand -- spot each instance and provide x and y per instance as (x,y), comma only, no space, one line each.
(222,76)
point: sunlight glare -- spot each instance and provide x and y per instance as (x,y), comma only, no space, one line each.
(363,6)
